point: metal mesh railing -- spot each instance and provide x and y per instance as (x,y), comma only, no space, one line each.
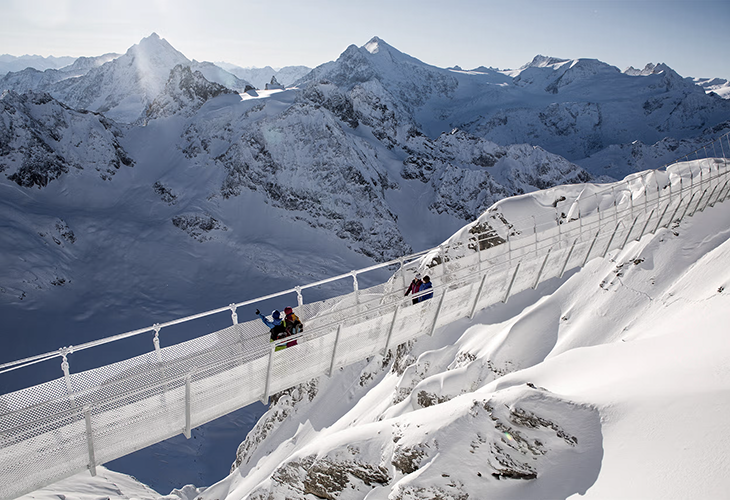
(80,420)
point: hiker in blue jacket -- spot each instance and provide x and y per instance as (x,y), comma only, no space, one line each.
(425,286)
(276,326)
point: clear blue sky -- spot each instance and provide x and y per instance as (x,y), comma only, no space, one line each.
(688,35)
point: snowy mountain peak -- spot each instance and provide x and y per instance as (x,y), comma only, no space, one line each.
(373,46)
(154,50)
(540,61)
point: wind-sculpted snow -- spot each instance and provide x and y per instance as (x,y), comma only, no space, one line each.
(43,139)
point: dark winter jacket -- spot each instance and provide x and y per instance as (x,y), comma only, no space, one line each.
(426,286)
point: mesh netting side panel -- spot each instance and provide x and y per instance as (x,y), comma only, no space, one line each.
(128,424)
(413,320)
(33,403)
(299,363)
(42,452)
(225,388)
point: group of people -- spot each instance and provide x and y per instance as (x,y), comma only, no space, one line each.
(280,327)
(418,285)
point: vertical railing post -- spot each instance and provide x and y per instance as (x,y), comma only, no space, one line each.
(438,313)
(478,296)
(65,351)
(300,300)
(512,282)
(334,351)
(402,273)
(188,417)
(234,315)
(156,341)
(355,287)
(90,441)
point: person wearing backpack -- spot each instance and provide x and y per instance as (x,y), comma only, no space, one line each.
(426,285)
(414,287)
(292,323)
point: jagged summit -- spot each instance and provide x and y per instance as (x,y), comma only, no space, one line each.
(540,61)
(649,69)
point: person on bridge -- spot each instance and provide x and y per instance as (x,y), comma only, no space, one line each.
(425,286)
(277,326)
(414,287)
(292,323)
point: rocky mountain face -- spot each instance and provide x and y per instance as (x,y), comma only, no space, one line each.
(42,139)
(185,92)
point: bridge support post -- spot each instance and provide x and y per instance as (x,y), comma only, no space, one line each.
(512,282)
(478,296)
(570,252)
(595,238)
(698,203)
(709,198)
(613,235)
(679,205)
(384,350)
(90,441)
(687,207)
(720,196)
(629,233)
(438,313)
(187,408)
(658,223)
(334,351)
(267,383)
(643,230)
(542,268)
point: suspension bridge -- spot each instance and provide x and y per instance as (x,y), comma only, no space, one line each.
(80,420)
